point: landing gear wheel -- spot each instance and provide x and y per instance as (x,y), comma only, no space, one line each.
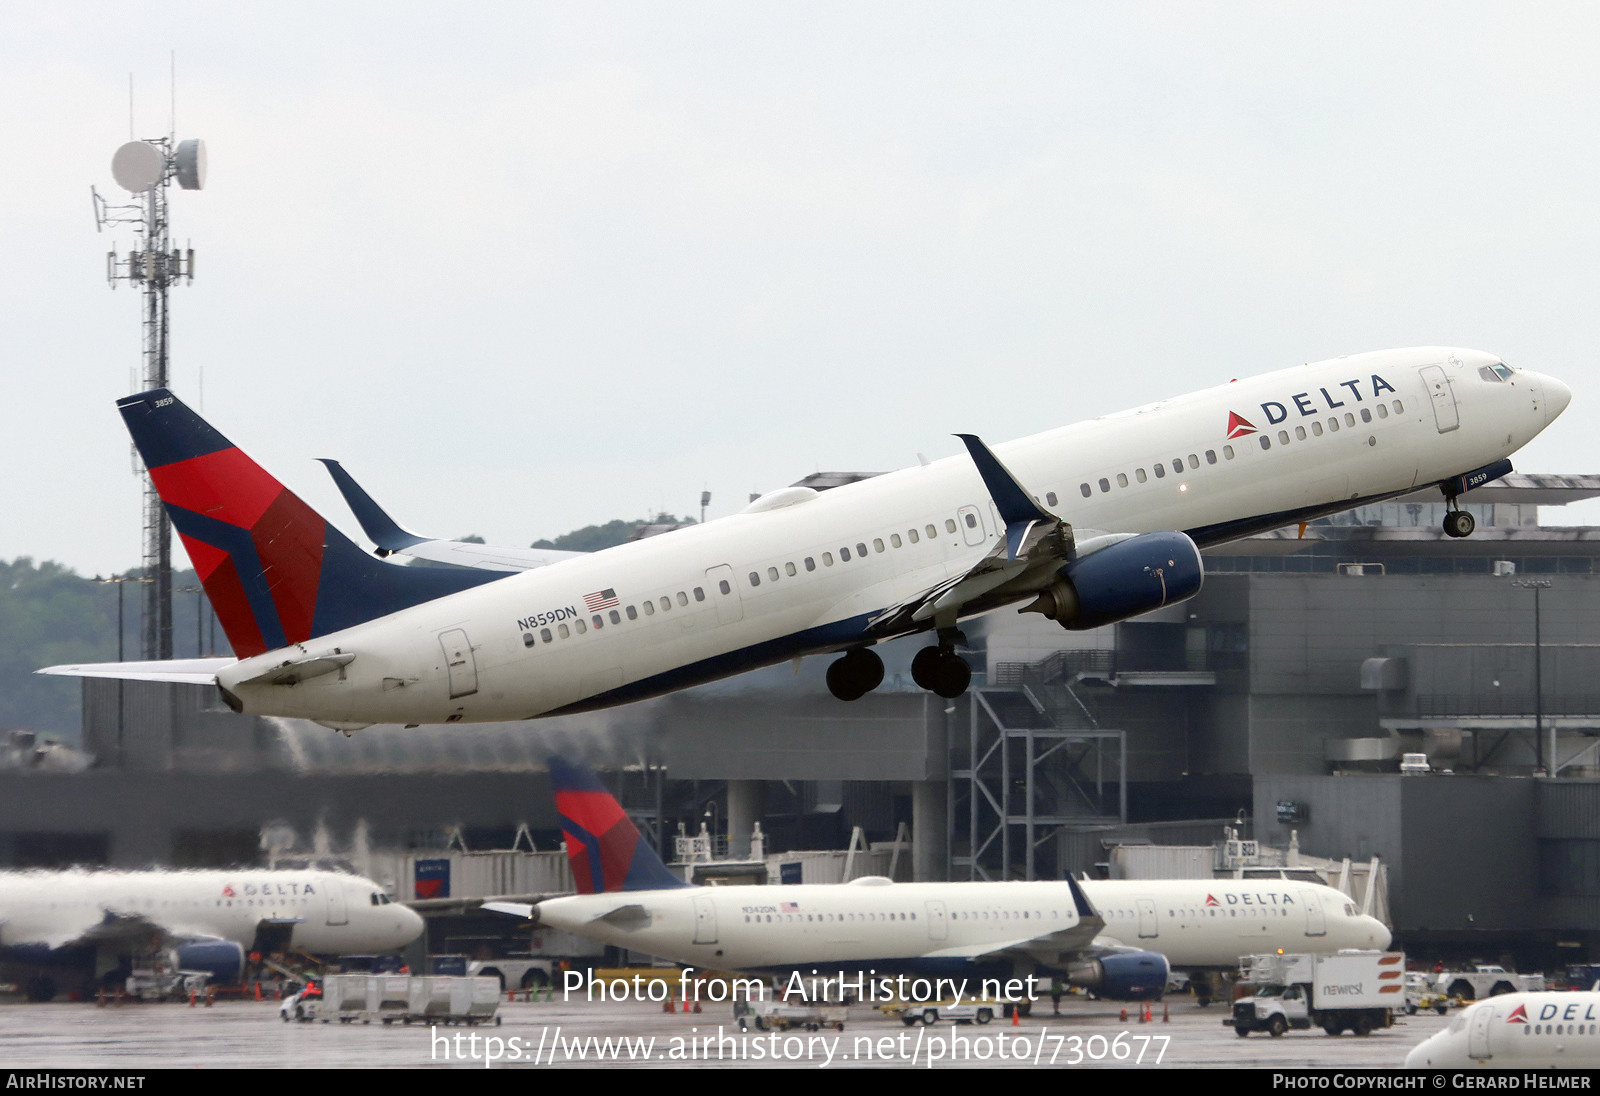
(1459,523)
(941,671)
(856,674)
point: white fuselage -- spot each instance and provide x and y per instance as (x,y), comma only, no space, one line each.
(333,914)
(1517,1031)
(1201,923)
(801,572)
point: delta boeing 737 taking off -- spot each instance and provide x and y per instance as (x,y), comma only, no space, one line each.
(1087,524)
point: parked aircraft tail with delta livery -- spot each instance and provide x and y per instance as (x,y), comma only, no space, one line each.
(1087,524)
(1117,938)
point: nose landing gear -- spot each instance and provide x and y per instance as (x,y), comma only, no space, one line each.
(1458,523)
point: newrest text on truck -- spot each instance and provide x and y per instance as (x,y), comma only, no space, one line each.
(1345,991)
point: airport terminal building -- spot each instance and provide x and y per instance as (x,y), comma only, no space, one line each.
(1362,687)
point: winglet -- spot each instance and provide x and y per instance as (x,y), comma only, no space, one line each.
(1016,507)
(388,534)
(605,848)
(1086,910)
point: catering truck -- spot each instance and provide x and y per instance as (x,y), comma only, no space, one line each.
(1345,991)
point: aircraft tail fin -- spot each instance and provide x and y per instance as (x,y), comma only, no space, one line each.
(276,571)
(606,849)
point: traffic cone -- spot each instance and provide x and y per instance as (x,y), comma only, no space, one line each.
(1016,1016)
(1124,1016)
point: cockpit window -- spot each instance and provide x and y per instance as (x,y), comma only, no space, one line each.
(1495,373)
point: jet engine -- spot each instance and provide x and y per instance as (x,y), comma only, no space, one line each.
(1122,976)
(1122,580)
(222,959)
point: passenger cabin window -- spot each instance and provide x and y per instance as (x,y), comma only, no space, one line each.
(1283,437)
(649,608)
(633,614)
(700,594)
(1194,461)
(861,550)
(722,584)
(683,598)
(544,634)
(811,564)
(1161,471)
(1266,442)
(1227,452)
(1084,487)
(1139,474)
(755,579)
(827,559)
(1105,485)
(1211,456)
(616,617)
(844,555)
(772,573)
(949,525)
(1366,414)
(877,544)
(580,626)
(1050,497)
(931,531)
(528,640)
(895,541)
(1122,479)
(666,603)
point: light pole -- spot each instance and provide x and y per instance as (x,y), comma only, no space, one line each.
(1536,585)
(120,580)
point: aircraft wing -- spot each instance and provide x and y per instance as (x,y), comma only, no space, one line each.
(1034,545)
(1051,948)
(190,671)
(391,537)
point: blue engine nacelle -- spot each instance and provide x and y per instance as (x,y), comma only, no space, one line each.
(1123,976)
(1123,580)
(222,959)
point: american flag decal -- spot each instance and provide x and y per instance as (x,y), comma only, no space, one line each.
(789,907)
(601,599)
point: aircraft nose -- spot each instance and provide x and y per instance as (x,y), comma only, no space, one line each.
(410,925)
(1556,398)
(1379,932)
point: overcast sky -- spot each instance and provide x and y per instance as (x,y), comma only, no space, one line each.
(528,266)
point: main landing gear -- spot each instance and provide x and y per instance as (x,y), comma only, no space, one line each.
(941,671)
(856,674)
(938,669)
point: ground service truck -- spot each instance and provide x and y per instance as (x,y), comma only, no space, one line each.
(1348,990)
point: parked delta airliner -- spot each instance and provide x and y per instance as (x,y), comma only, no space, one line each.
(1115,937)
(1517,1031)
(1087,524)
(82,924)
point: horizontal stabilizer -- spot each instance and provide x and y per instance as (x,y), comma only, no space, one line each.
(190,671)
(523,910)
(391,537)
